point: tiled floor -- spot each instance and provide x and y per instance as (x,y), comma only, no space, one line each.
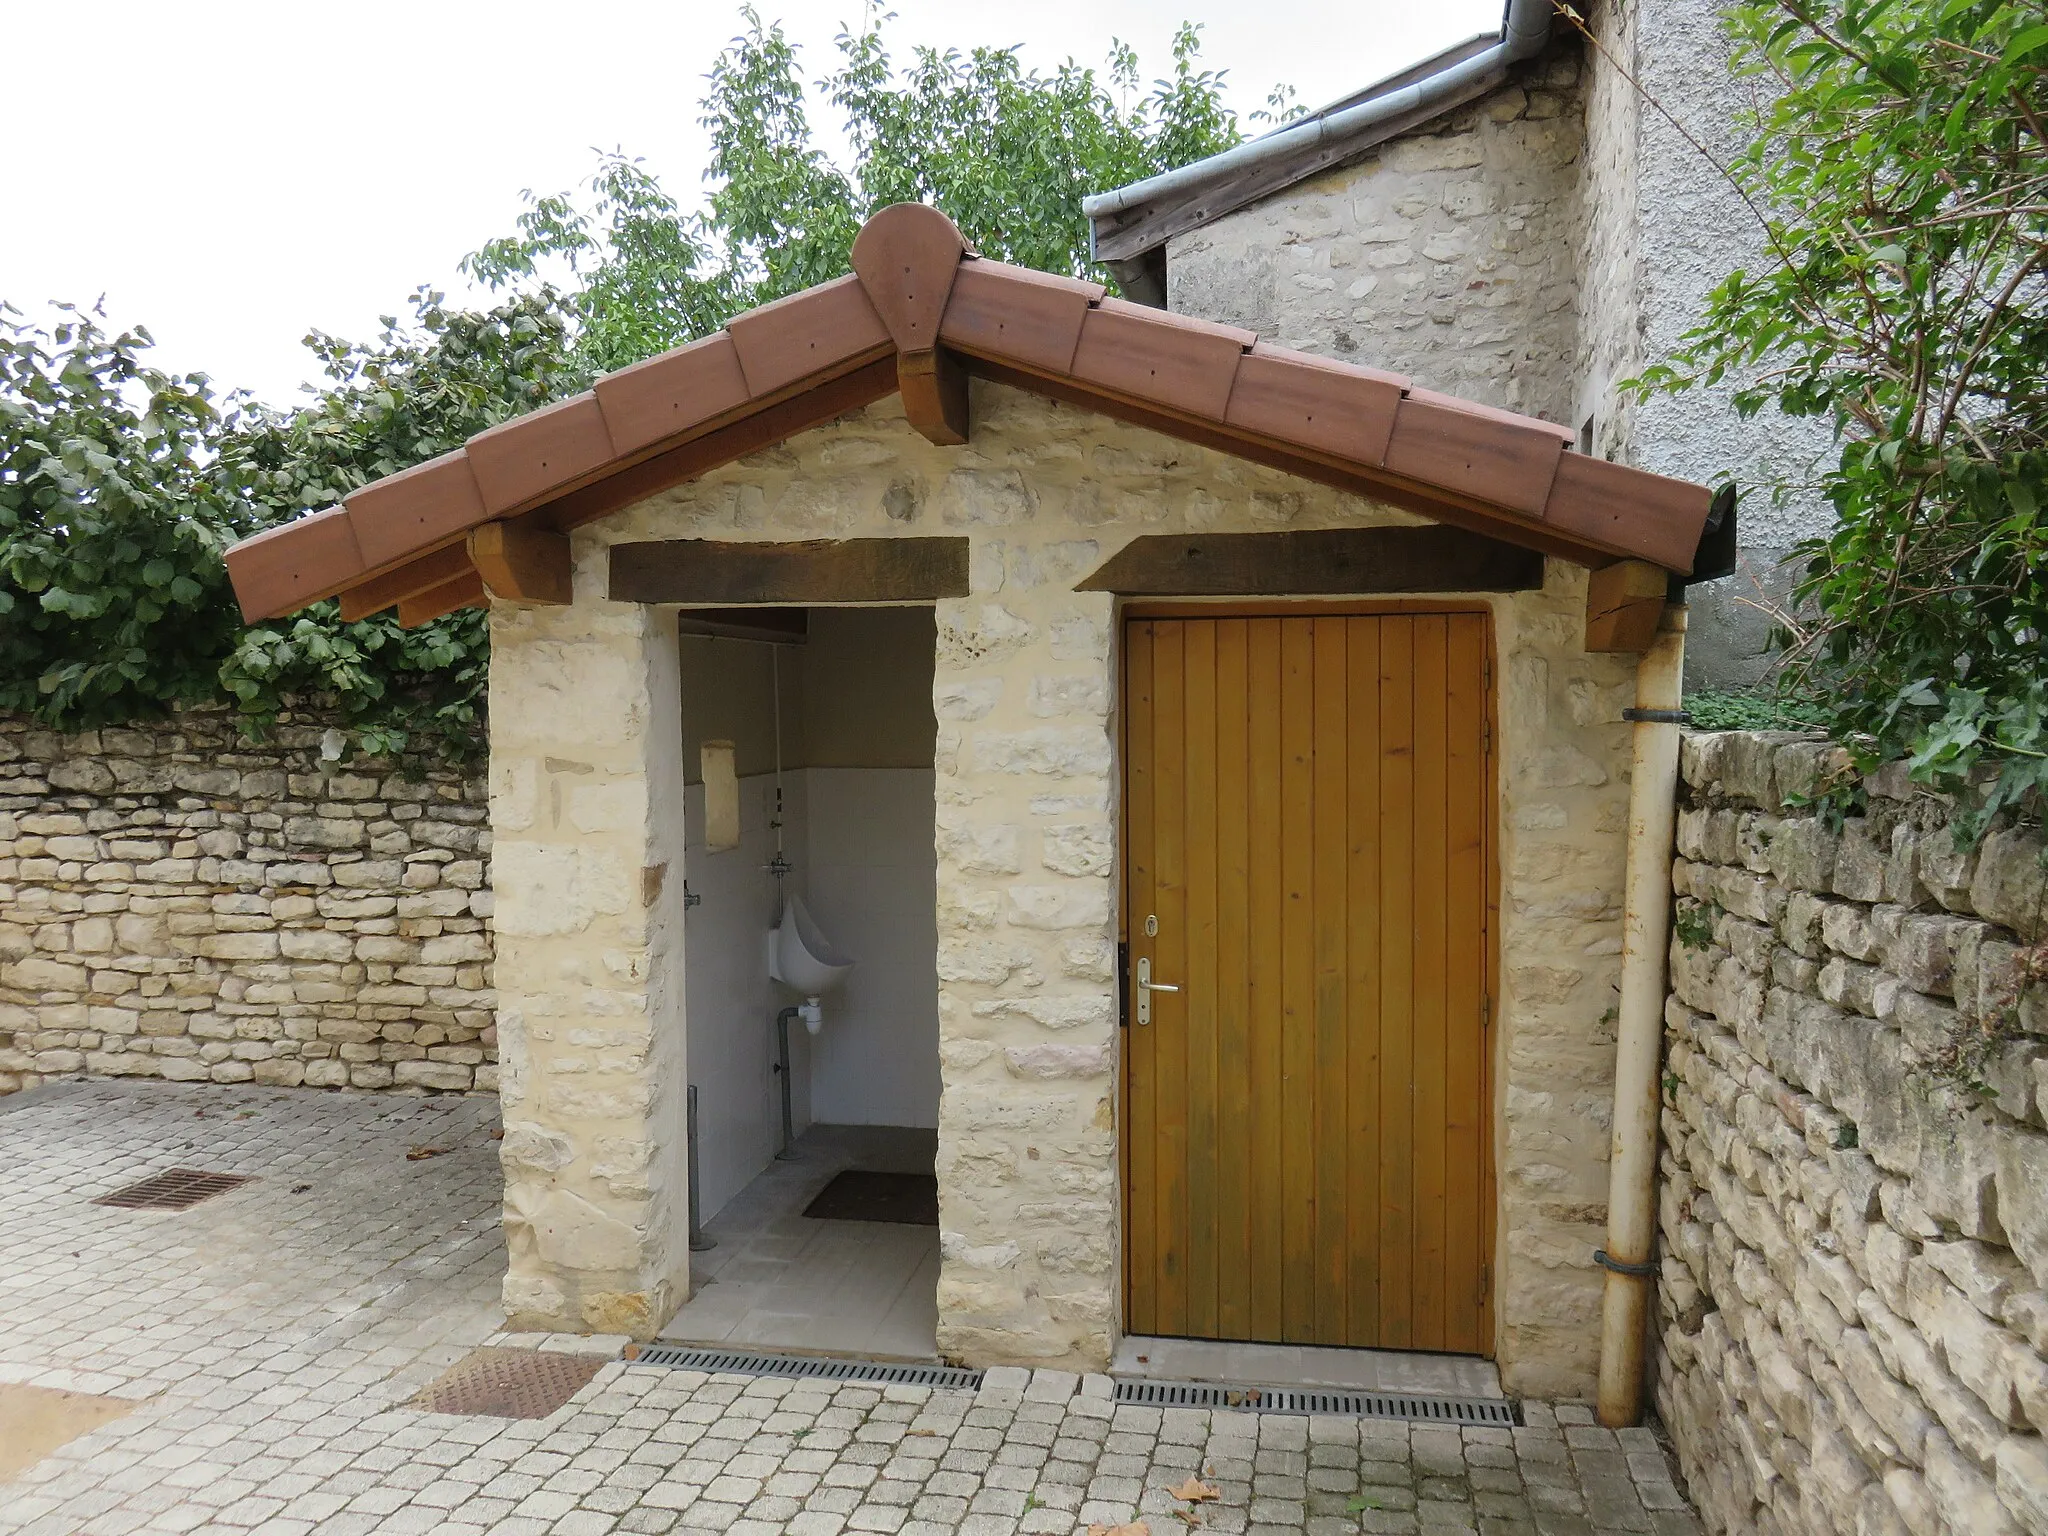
(779,1279)
(267,1345)
(1298,1365)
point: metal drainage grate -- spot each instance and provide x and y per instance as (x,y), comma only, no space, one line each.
(734,1362)
(1362,1405)
(172,1190)
(509,1383)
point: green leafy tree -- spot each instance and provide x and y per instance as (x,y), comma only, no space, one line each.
(120,486)
(1900,171)
(1007,152)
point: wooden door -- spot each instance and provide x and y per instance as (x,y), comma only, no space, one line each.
(1305,1132)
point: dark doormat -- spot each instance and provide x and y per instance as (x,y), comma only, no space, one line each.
(857,1195)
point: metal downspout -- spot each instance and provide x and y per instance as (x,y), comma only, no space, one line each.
(1630,1256)
(1525,28)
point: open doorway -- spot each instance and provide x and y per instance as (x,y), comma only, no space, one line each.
(827,1240)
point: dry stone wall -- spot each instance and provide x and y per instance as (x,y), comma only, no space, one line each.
(177,902)
(1854,1302)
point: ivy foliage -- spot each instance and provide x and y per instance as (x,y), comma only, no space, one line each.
(112,592)
(121,485)
(1900,172)
(1718,709)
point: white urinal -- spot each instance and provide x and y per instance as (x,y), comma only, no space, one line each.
(800,956)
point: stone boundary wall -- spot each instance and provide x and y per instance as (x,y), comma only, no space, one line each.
(177,902)
(1854,1207)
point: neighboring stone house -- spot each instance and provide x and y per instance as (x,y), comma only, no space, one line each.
(1244,894)
(1534,238)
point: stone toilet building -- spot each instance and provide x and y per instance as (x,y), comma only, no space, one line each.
(1243,909)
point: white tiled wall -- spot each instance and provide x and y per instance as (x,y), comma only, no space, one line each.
(729,999)
(861,841)
(873,887)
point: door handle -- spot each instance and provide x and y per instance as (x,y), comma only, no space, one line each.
(1146,987)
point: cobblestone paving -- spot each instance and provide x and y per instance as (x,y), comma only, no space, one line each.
(271,1337)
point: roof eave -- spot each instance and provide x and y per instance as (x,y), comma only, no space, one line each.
(918,293)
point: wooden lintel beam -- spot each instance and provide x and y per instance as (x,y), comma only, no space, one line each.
(1316,562)
(408,580)
(464,591)
(1624,602)
(933,385)
(522,563)
(714,573)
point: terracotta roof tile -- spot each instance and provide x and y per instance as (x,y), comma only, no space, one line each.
(1507,463)
(669,395)
(806,333)
(412,511)
(1300,398)
(788,364)
(1169,360)
(522,460)
(294,564)
(1030,318)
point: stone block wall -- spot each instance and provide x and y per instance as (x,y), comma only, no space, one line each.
(177,902)
(1854,1303)
(1449,254)
(1027,779)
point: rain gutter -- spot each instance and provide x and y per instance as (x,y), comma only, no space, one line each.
(1525,29)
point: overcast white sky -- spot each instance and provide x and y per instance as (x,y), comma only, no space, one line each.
(232,173)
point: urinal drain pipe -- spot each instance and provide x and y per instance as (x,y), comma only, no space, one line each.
(788,1151)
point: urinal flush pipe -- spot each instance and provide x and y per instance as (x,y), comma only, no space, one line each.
(788,1149)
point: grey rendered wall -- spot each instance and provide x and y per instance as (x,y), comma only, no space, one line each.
(1664,227)
(1532,250)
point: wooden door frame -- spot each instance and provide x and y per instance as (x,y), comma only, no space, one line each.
(1133,611)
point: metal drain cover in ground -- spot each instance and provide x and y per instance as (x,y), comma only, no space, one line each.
(509,1383)
(173,1190)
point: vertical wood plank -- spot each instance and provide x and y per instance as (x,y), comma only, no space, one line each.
(1297,963)
(1465,1116)
(1169,960)
(1362,901)
(1264,963)
(1308,814)
(1234,1190)
(1397,1056)
(1329,929)
(1140,1140)
(1432,981)
(1197,978)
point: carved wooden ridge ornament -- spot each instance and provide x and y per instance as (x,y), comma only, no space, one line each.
(918,315)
